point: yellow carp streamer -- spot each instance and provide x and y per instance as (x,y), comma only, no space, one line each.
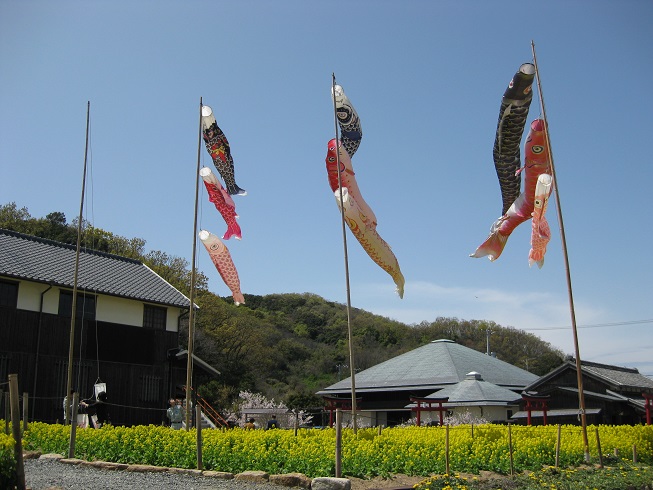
(378,250)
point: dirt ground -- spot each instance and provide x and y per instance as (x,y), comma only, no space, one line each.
(406,482)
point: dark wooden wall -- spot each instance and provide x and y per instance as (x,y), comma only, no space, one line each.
(132,361)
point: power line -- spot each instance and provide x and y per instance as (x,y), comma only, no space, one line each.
(596,325)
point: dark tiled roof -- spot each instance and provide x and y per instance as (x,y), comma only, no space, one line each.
(46,261)
(619,378)
(434,366)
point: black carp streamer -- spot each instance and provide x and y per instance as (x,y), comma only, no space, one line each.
(348,120)
(512,119)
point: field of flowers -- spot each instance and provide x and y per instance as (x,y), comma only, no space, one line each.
(416,451)
(7,461)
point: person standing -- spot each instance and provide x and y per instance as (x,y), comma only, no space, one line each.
(272,423)
(175,414)
(250,424)
(98,410)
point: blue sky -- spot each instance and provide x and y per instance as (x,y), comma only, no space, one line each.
(426,79)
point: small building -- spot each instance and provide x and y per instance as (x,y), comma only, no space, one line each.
(126,331)
(476,397)
(387,389)
(613,395)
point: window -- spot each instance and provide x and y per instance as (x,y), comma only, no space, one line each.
(155,317)
(85,305)
(9,294)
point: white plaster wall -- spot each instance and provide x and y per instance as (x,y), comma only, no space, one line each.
(108,308)
(29,297)
(119,310)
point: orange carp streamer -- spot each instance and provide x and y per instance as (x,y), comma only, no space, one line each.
(537,163)
(378,250)
(221,258)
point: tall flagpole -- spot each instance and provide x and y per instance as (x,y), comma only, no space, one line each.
(191,315)
(352,370)
(579,374)
(71,346)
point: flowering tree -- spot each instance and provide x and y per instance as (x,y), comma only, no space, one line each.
(258,401)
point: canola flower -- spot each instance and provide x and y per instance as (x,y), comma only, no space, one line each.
(417,451)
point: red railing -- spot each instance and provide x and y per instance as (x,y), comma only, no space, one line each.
(210,412)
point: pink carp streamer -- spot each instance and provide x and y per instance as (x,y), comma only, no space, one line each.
(347,179)
(537,163)
(540,234)
(378,250)
(221,258)
(223,203)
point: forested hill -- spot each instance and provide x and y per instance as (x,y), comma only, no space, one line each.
(288,346)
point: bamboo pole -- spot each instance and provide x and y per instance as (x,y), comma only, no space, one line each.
(579,373)
(352,370)
(191,316)
(71,345)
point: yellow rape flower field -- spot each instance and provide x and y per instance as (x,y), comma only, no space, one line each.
(473,452)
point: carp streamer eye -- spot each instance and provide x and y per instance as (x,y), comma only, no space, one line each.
(537,149)
(538,202)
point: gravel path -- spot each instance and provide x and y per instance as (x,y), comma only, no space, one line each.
(43,474)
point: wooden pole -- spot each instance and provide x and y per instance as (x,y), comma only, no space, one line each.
(579,373)
(598,447)
(191,313)
(25,412)
(352,370)
(512,464)
(558,446)
(7,412)
(446,451)
(73,313)
(73,425)
(198,423)
(15,429)
(338,443)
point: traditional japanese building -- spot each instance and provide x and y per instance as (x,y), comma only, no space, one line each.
(126,331)
(472,396)
(387,390)
(613,395)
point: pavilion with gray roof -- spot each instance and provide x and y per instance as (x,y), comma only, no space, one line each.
(385,390)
